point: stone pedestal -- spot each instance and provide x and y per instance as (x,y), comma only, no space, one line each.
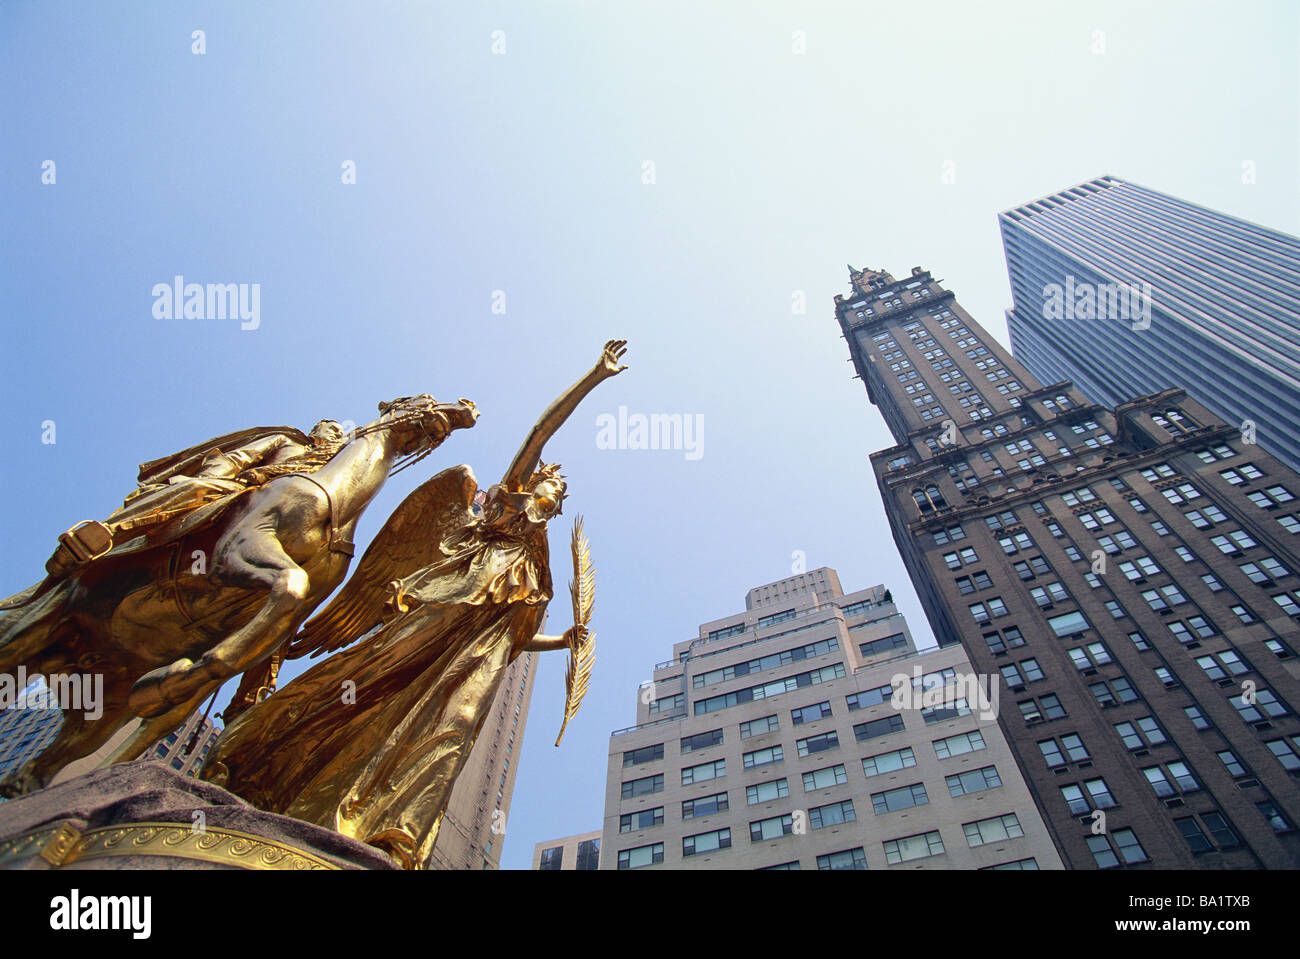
(148,816)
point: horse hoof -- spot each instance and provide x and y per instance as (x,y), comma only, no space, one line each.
(155,692)
(20,782)
(398,843)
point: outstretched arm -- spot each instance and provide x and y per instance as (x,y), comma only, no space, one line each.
(525,461)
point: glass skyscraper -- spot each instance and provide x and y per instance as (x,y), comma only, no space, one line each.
(1127,292)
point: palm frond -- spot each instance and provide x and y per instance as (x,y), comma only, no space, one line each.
(582,653)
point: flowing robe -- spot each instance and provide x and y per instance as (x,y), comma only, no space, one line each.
(373,738)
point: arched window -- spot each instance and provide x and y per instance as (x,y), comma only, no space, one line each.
(936,498)
(929,499)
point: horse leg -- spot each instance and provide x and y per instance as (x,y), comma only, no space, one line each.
(257,561)
(152,730)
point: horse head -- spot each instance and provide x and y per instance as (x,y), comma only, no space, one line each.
(420,423)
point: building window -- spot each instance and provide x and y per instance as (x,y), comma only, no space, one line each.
(1265,706)
(1218,666)
(1270,811)
(1118,690)
(1278,648)
(706,842)
(950,535)
(1068,624)
(845,859)
(903,797)
(643,787)
(700,741)
(705,806)
(1090,655)
(641,856)
(817,744)
(1236,769)
(588,855)
(878,727)
(869,697)
(757,727)
(1171,779)
(642,819)
(883,645)
(645,754)
(781,617)
(973,781)
(832,814)
(808,714)
(1051,707)
(908,848)
(704,772)
(957,745)
(763,757)
(551,858)
(1286,753)
(1218,827)
(668,704)
(994,829)
(929,499)
(826,777)
(937,714)
(761,830)
(766,792)
(1126,844)
(1141,733)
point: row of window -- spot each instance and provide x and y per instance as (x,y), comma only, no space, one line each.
(771,661)
(903,849)
(947,747)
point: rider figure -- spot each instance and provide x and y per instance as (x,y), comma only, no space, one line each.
(176,485)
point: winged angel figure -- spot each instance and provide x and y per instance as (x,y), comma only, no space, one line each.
(369,742)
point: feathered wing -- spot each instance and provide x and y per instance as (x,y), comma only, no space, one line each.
(407,542)
(582,653)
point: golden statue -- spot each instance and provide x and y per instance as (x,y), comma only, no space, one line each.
(370,741)
(208,568)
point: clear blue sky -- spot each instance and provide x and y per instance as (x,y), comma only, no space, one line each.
(523,172)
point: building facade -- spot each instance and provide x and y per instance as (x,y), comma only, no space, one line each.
(1219,318)
(773,741)
(28,726)
(578,853)
(1129,573)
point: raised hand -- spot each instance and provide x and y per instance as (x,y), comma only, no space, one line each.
(613,352)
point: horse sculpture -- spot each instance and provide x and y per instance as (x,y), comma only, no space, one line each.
(169,618)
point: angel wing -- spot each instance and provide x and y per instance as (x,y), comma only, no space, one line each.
(582,648)
(408,541)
